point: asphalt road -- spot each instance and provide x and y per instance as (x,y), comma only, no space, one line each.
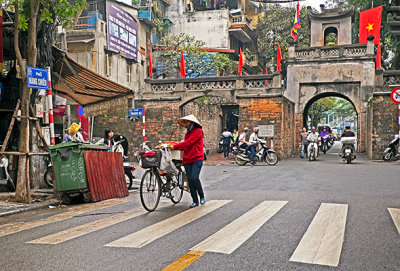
(361,233)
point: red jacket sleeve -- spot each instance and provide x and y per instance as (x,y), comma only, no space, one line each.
(194,135)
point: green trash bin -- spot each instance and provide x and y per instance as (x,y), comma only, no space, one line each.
(69,170)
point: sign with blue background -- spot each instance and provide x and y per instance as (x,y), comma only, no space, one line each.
(37,78)
(136,112)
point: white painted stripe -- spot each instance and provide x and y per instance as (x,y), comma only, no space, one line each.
(395,214)
(75,232)
(229,238)
(153,232)
(322,243)
(15,227)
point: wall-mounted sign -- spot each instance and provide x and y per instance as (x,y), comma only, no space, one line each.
(266,131)
(136,112)
(395,95)
(121,31)
(37,78)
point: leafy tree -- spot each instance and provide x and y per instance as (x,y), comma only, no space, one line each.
(275,27)
(390,44)
(197,60)
(317,110)
(29,16)
(343,108)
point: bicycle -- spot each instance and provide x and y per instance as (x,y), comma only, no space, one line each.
(156,183)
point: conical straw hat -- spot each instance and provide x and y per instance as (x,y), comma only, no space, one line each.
(191,118)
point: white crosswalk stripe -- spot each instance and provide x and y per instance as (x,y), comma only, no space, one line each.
(395,214)
(153,232)
(229,238)
(81,230)
(322,243)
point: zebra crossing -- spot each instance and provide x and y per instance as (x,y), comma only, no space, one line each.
(321,243)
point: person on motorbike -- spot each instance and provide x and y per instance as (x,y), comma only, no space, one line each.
(347,133)
(325,136)
(242,139)
(304,142)
(313,138)
(253,141)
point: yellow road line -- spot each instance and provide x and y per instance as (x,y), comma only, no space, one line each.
(184,261)
(15,227)
(233,235)
(155,231)
(395,214)
(322,243)
(75,232)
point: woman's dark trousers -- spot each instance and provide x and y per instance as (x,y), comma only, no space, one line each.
(193,173)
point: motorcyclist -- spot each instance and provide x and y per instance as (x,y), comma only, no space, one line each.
(347,133)
(313,137)
(324,133)
(253,141)
(242,139)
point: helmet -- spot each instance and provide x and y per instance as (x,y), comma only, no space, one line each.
(256,129)
(245,129)
(313,128)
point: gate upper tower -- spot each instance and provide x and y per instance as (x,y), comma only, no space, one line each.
(331,66)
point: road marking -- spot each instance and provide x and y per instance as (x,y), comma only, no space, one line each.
(184,261)
(153,232)
(15,227)
(75,232)
(322,243)
(229,238)
(395,214)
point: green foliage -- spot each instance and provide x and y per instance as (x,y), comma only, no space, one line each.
(317,110)
(197,61)
(276,26)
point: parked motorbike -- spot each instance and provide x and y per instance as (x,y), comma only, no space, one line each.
(313,150)
(220,146)
(348,150)
(5,178)
(205,153)
(392,149)
(264,154)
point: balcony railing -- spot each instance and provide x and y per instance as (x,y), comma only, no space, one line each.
(355,50)
(239,19)
(89,23)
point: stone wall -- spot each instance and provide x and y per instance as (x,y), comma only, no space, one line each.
(383,124)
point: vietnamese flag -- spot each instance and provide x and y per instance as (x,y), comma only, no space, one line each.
(278,59)
(370,24)
(378,57)
(240,62)
(183,73)
(150,66)
(266,72)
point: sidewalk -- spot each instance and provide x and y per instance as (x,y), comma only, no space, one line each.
(41,198)
(215,159)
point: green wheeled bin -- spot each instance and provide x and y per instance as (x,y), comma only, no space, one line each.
(69,170)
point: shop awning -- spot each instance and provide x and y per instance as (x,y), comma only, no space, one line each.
(75,82)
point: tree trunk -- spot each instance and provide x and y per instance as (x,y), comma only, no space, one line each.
(21,191)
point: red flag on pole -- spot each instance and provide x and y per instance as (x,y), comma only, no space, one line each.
(370,24)
(183,73)
(279,59)
(240,62)
(266,72)
(150,66)
(378,57)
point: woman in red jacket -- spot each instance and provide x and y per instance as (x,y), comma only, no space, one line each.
(193,155)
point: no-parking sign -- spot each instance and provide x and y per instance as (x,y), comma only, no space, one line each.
(79,111)
(395,95)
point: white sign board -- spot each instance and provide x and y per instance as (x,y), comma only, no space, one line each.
(266,130)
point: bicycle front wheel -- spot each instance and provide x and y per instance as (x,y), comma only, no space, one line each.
(150,191)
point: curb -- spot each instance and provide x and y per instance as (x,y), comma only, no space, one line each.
(32,207)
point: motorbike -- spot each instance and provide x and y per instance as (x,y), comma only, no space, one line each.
(313,150)
(205,153)
(220,146)
(348,149)
(326,143)
(392,149)
(264,154)
(5,178)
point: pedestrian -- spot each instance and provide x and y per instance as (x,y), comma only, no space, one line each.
(78,137)
(227,139)
(304,141)
(193,156)
(108,139)
(68,136)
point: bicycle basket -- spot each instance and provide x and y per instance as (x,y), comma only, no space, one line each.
(150,159)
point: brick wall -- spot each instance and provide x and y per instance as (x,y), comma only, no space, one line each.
(266,111)
(383,124)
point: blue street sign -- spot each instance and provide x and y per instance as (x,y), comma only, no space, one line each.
(136,112)
(79,111)
(37,78)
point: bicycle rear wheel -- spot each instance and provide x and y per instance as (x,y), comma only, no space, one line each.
(150,190)
(176,190)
